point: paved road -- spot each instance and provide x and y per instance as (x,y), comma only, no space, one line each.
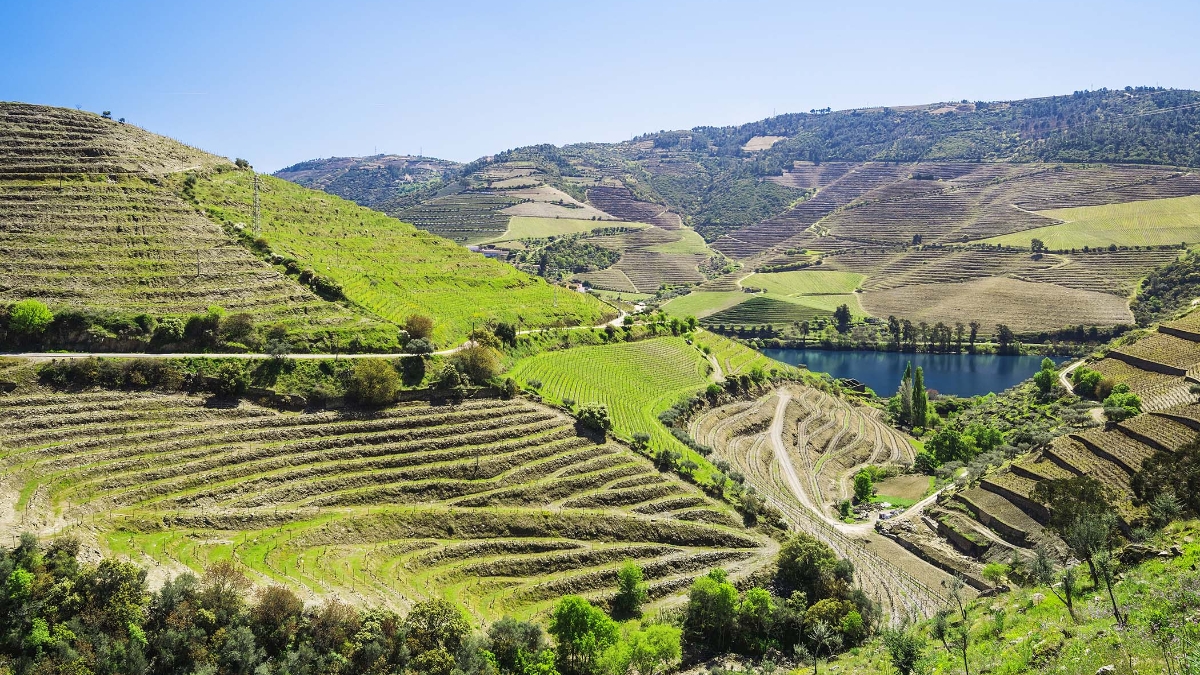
(46,356)
(1063,375)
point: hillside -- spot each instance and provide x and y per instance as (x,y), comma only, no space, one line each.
(500,506)
(88,223)
(382,182)
(105,219)
(937,201)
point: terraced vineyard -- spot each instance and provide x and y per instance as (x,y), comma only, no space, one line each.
(796,447)
(1159,367)
(636,380)
(1003,503)
(498,505)
(74,239)
(392,268)
(467,217)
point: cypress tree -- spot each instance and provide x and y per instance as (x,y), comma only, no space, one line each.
(920,400)
(906,397)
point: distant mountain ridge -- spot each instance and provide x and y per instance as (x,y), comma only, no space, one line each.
(380,182)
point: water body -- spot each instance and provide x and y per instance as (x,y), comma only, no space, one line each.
(959,374)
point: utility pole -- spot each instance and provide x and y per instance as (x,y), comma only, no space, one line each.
(257,209)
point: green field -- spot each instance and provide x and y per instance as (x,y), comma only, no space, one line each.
(779,310)
(805,282)
(529,227)
(790,296)
(392,268)
(1153,222)
(702,303)
(688,242)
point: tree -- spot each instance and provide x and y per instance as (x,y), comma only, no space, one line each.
(804,329)
(905,647)
(374,383)
(29,318)
(920,399)
(1044,378)
(959,331)
(708,619)
(512,640)
(1121,404)
(950,445)
(893,327)
(419,326)
(594,416)
(507,333)
(238,328)
(583,633)
(863,487)
(841,315)
(975,326)
(1170,473)
(1006,341)
(826,639)
(655,650)
(479,363)
(632,590)
(1042,570)
(1037,245)
(808,565)
(231,379)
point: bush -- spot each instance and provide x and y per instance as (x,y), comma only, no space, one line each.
(412,370)
(419,326)
(508,388)
(231,379)
(373,383)
(478,363)
(29,318)
(418,346)
(595,416)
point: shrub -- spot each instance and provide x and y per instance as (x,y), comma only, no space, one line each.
(478,363)
(231,379)
(508,388)
(449,379)
(412,369)
(419,326)
(595,416)
(29,318)
(373,383)
(418,346)
(238,328)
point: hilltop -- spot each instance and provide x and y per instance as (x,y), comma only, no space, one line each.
(119,230)
(933,208)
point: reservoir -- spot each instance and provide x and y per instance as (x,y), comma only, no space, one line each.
(959,374)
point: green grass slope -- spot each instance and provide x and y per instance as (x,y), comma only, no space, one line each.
(391,268)
(1152,222)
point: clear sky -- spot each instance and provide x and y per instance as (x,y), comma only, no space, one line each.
(281,82)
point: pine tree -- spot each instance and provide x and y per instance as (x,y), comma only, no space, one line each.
(920,400)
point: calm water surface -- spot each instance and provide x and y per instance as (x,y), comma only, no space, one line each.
(960,374)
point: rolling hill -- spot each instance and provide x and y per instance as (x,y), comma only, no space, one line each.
(924,201)
(107,219)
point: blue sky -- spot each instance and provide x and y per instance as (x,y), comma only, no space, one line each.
(280,82)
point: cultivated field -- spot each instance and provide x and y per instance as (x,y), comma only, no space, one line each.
(392,268)
(797,447)
(1154,222)
(523,227)
(1022,305)
(636,380)
(499,506)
